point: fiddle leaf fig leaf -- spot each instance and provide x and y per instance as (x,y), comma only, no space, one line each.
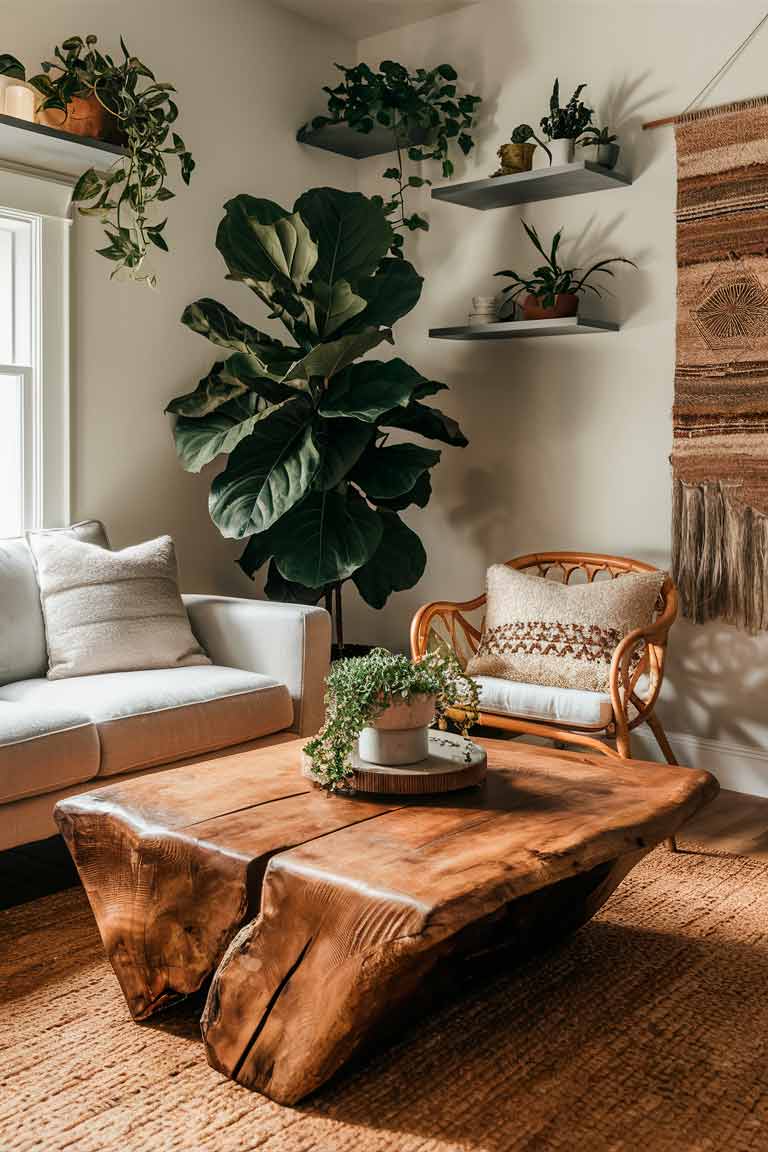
(426,421)
(392,471)
(366,391)
(326,538)
(201,440)
(398,562)
(214,321)
(212,391)
(340,443)
(288,591)
(339,303)
(327,359)
(261,242)
(351,233)
(267,473)
(391,293)
(419,495)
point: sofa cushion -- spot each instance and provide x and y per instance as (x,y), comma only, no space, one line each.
(570,707)
(42,750)
(22,632)
(160,715)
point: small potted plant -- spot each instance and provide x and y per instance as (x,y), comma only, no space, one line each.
(552,291)
(387,703)
(563,126)
(605,142)
(517,156)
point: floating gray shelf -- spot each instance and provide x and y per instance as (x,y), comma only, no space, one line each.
(34,146)
(349,142)
(527,187)
(514,329)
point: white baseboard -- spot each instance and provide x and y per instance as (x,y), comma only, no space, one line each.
(741,769)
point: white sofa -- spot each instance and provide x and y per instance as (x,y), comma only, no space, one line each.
(58,737)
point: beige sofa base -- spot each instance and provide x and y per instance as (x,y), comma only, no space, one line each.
(30,819)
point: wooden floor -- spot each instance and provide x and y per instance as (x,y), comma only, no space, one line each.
(734,822)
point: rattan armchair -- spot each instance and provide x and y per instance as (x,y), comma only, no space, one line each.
(637,668)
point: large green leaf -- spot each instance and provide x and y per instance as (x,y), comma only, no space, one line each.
(387,472)
(366,391)
(261,242)
(351,232)
(222,327)
(340,443)
(426,421)
(258,550)
(398,562)
(418,495)
(391,293)
(215,389)
(326,538)
(267,473)
(338,303)
(266,380)
(201,440)
(327,359)
(288,591)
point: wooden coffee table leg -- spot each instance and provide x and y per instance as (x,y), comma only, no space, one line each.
(329,965)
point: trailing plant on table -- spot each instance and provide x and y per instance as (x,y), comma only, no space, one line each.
(359,691)
(425,114)
(569,122)
(312,481)
(552,280)
(124,197)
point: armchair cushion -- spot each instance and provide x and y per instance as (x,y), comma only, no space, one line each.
(539,631)
(567,707)
(161,715)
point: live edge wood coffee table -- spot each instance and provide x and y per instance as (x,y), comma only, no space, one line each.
(325,919)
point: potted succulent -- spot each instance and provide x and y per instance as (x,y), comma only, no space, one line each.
(605,142)
(86,92)
(387,703)
(552,291)
(563,126)
(517,156)
(425,114)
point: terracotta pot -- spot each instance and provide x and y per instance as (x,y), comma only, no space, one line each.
(566,304)
(516,157)
(85,116)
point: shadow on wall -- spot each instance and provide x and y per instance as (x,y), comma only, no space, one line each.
(625,109)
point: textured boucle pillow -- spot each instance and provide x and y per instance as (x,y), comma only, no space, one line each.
(111,611)
(540,631)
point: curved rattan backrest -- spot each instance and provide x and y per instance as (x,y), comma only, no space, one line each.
(568,563)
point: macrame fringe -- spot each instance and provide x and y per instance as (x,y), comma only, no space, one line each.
(719,556)
(721,109)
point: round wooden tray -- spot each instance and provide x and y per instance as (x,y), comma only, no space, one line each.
(453,762)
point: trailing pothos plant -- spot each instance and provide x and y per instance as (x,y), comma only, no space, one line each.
(425,114)
(312,480)
(360,689)
(124,197)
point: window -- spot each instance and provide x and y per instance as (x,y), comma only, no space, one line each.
(34,353)
(19,374)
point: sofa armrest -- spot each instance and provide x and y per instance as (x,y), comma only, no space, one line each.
(290,642)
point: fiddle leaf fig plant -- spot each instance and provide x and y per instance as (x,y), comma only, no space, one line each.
(311,480)
(424,113)
(143,113)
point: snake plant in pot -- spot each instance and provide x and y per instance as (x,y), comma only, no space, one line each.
(312,481)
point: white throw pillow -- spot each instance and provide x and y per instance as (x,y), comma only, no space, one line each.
(539,631)
(111,611)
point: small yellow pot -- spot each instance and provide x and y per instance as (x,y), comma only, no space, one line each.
(516,157)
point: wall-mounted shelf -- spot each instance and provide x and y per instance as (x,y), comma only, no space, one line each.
(527,187)
(347,141)
(514,329)
(34,147)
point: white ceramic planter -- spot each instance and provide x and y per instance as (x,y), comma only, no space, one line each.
(562,151)
(400,735)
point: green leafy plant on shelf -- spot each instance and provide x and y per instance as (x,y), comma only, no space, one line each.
(143,112)
(551,279)
(360,689)
(312,481)
(569,122)
(425,114)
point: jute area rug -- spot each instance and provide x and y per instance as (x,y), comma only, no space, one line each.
(646,1032)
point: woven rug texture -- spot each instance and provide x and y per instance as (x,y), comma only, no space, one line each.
(720,449)
(647,1031)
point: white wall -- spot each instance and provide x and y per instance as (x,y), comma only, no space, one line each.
(247,76)
(569,438)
